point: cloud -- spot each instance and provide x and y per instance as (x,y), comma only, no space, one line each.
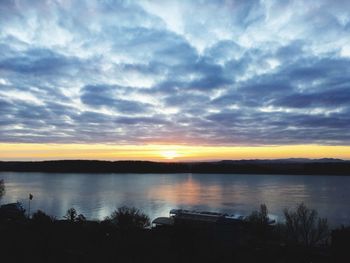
(107,96)
(188,72)
(38,62)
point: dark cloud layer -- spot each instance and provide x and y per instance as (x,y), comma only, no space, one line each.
(194,72)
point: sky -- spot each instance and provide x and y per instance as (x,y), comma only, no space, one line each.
(174,80)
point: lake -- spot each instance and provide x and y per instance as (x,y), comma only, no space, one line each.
(97,195)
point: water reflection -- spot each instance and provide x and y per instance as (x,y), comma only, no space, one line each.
(97,195)
(186,192)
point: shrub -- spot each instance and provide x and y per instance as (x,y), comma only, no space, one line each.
(304,227)
(129,218)
(80,218)
(2,188)
(13,212)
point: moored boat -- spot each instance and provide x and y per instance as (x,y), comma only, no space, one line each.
(184,215)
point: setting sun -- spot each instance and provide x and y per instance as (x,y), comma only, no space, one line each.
(171,154)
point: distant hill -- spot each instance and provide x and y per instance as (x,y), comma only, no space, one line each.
(280,166)
(288,160)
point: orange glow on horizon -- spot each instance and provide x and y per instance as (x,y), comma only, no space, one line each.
(30,151)
(170,154)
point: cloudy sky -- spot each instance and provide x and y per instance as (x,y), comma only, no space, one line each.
(209,73)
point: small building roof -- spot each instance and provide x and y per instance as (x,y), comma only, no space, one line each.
(164,221)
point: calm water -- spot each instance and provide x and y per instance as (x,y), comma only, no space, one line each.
(97,195)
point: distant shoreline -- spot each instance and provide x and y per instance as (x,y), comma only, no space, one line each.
(282,166)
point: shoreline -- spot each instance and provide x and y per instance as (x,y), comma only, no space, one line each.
(271,167)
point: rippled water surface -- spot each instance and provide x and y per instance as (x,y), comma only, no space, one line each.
(97,195)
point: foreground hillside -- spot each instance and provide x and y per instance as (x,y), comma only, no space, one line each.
(124,237)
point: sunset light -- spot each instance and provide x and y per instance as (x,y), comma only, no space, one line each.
(195,130)
(169,154)
(158,152)
(165,77)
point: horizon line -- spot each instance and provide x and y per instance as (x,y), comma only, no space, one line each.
(184,161)
(166,153)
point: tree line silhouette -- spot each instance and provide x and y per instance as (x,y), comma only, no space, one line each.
(287,166)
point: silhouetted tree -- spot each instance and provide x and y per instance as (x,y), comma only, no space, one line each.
(129,218)
(259,217)
(71,214)
(304,227)
(2,188)
(259,221)
(41,218)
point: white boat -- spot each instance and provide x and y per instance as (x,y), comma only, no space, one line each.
(205,216)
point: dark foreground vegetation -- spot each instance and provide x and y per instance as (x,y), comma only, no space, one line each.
(125,237)
(284,166)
